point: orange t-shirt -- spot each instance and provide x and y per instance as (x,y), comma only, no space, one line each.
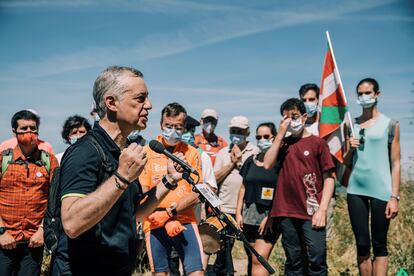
(210,148)
(156,168)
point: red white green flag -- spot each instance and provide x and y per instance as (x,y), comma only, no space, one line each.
(333,104)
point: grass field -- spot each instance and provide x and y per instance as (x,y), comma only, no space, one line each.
(341,246)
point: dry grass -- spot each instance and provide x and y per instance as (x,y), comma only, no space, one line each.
(341,246)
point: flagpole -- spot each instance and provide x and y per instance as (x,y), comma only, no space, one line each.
(340,82)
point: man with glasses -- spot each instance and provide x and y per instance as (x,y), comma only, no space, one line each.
(208,140)
(304,188)
(173,224)
(229,160)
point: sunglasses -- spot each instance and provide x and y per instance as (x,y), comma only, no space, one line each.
(266,136)
(362,139)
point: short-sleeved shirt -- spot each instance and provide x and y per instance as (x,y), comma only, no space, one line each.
(229,188)
(300,159)
(211,148)
(156,168)
(24,190)
(12,142)
(110,246)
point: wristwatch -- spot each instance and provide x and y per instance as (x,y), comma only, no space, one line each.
(2,230)
(172,211)
(168,184)
(397,197)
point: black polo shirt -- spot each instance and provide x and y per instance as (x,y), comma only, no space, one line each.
(108,248)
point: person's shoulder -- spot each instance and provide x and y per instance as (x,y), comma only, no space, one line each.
(223,151)
(83,152)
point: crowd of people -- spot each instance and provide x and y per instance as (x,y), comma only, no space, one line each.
(109,185)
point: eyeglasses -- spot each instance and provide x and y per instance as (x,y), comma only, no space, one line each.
(361,139)
(266,136)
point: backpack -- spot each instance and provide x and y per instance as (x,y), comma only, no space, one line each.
(52,223)
(8,159)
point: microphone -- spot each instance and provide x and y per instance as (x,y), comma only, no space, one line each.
(159,148)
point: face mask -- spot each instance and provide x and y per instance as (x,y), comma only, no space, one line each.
(172,136)
(237,139)
(96,118)
(188,137)
(208,127)
(73,139)
(295,126)
(264,144)
(27,138)
(366,101)
(311,108)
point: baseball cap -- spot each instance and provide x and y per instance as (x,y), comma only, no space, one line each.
(209,113)
(239,121)
(191,122)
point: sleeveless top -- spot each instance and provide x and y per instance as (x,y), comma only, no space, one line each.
(371,174)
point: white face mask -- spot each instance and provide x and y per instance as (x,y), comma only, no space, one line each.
(208,127)
(366,101)
(295,126)
(264,144)
(311,108)
(172,136)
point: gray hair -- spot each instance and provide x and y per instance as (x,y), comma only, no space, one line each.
(109,81)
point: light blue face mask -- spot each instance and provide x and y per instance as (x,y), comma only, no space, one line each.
(172,136)
(366,101)
(311,108)
(237,139)
(188,137)
(264,144)
(73,139)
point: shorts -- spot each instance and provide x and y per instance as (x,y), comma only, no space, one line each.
(187,244)
(252,233)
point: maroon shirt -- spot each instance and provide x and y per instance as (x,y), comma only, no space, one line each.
(299,157)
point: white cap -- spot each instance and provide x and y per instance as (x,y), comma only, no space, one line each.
(240,122)
(209,113)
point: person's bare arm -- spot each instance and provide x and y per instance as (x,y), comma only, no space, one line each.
(271,155)
(79,214)
(239,206)
(319,218)
(392,206)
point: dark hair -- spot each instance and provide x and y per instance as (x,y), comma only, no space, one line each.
(293,103)
(72,122)
(24,115)
(306,87)
(172,110)
(370,81)
(270,125)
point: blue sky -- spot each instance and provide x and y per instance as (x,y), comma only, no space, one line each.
(239,57)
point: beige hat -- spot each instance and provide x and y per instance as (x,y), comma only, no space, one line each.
(240,122)
(209,113)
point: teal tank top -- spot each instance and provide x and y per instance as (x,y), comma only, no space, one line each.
(371,174)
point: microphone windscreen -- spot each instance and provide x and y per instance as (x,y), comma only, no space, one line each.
(156,146)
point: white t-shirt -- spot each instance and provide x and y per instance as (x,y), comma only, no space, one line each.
(207,168)
(313,128)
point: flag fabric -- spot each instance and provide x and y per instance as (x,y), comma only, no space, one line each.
(334,107)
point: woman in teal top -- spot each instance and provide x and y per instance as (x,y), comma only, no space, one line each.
(374,155)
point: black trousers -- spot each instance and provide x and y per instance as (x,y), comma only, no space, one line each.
(359,208)
(305,248)
(21,261)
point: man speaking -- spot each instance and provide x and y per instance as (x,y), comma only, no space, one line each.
(100,195)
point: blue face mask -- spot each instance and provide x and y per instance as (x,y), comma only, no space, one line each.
(188,137)
(172,136)
(264,144)
(311,108)
(73,139)
(237,139)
